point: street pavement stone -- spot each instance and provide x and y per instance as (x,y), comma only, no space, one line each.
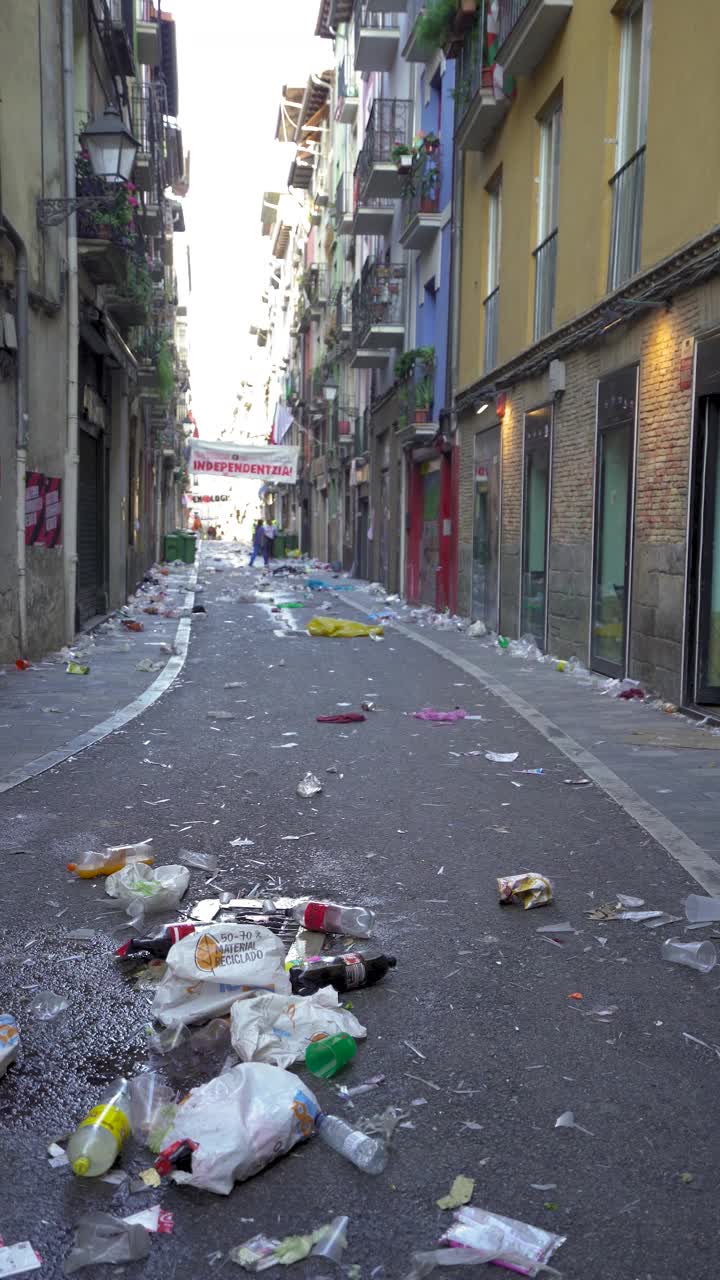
(415,829)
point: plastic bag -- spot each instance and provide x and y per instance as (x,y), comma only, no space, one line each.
(99,1237)
(522,1248)
(241,1121)
(428,713)
(341,628)
(46,1005)
(278,1029)
(148,889)
(207,972)
(528,889)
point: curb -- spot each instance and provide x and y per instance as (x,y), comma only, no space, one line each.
(692,858)
(123,716)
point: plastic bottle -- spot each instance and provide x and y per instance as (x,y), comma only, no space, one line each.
(110,860)
(344,973)
(364,1152)
(328,917)
(158,946)
(95,1144)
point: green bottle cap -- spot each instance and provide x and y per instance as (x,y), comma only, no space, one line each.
(328,1056)
(81,1166)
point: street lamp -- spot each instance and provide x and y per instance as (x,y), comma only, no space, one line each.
(112,149)
(330,391)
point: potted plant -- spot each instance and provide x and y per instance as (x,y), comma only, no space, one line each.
(402,157)
(429,189)
(423,398)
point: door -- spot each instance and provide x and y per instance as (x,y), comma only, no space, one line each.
(429,537)
(536,520)
(486,528)
(705,585)
(614,465)
(88,528)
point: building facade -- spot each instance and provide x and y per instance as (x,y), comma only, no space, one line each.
(94,367)
(530,348)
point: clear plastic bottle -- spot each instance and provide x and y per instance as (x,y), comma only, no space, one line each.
(95,1145)
(364,1152)
(328,917)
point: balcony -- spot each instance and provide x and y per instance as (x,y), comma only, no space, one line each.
(545,274)
(378,311)
(373,217)
(481,106)
(414,50)
(314,285)
(146,119)
(344,212)
(147,34)
(388,132)
(343,312)
(377,39)
(628,187)
(527,29)
(421,217)
(114,19)
(491,307)
(346,416)
(387,6)
(347,94)
(106,237)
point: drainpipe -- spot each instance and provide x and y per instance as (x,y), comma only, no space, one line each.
(70,495)
(22,417)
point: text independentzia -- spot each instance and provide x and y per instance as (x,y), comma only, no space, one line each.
(245,468)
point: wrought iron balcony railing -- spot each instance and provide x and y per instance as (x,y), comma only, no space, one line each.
(545,273)
(378,303)
(491,306)
(628,189)
(422,188)
(343,310)
(389,127)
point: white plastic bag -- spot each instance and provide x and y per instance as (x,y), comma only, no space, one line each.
(521,1247)
(278,1029)
(147,890)
(241,1121)
(207,972)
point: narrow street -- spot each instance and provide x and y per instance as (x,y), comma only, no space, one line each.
(479,1031)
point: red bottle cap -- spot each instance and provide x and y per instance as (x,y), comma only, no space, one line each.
(314,917)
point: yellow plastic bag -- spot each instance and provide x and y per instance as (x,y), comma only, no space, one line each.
(341,628)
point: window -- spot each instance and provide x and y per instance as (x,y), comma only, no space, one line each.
(491,303)
(614,468)
(628,182)
(548,205)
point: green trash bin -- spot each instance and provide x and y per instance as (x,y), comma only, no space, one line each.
(187,545)
(172,547)
(279,546)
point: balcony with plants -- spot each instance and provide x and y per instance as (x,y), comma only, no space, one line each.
(378,313)
(421,216)
(380,169)
(438,25)
(415,378)
(109,234)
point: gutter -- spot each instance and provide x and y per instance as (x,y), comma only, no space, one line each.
(22,417)
(72,458)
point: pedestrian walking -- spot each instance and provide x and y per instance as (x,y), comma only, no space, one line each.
(260,546)
(270,531)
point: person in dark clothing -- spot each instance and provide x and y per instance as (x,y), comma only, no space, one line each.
(259,546)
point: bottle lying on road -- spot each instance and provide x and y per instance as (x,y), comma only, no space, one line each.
(106,863)
(364,1152)
(344,973)
(95,1145)
(158,946)
(328,917)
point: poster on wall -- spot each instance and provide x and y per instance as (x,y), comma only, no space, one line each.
(43,510)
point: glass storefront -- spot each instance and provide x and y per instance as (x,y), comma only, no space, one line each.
(617,395)
(536,508)
(486,528)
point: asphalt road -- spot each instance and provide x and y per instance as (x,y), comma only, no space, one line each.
(418,833)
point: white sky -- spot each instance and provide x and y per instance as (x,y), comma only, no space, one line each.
(234,56)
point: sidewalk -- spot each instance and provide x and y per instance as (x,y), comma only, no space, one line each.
(47,714)
(662,768)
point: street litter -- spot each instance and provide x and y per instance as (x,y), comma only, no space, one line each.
(700,908)
(515,1245)
(567,1121)
(344,972)
(100,1238)
(207,972)
(22,664)
(368,706)
(278,1028)
(241,842)
(695,955)
(113,859)
(576,782)
(239,1122)
(347,717)
(199,861)
(476,630)
(220,715)
(309,786)
(564,927)
(341,628)
(15,1259)
(96,1143)
(460,1193)
(502,757)
(148,665)
(627,900)
(347,1092)
(527,890)
(154,1219)
(440,717)
(77,669)
(329,917)
(132,626)
(46,1005)
(149,889)
(703,1043)
(150,1109)
(328,1055)
(261,1252)
(9,1041)
(365,1152)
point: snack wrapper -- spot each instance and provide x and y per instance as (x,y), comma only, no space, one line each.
(528,890)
